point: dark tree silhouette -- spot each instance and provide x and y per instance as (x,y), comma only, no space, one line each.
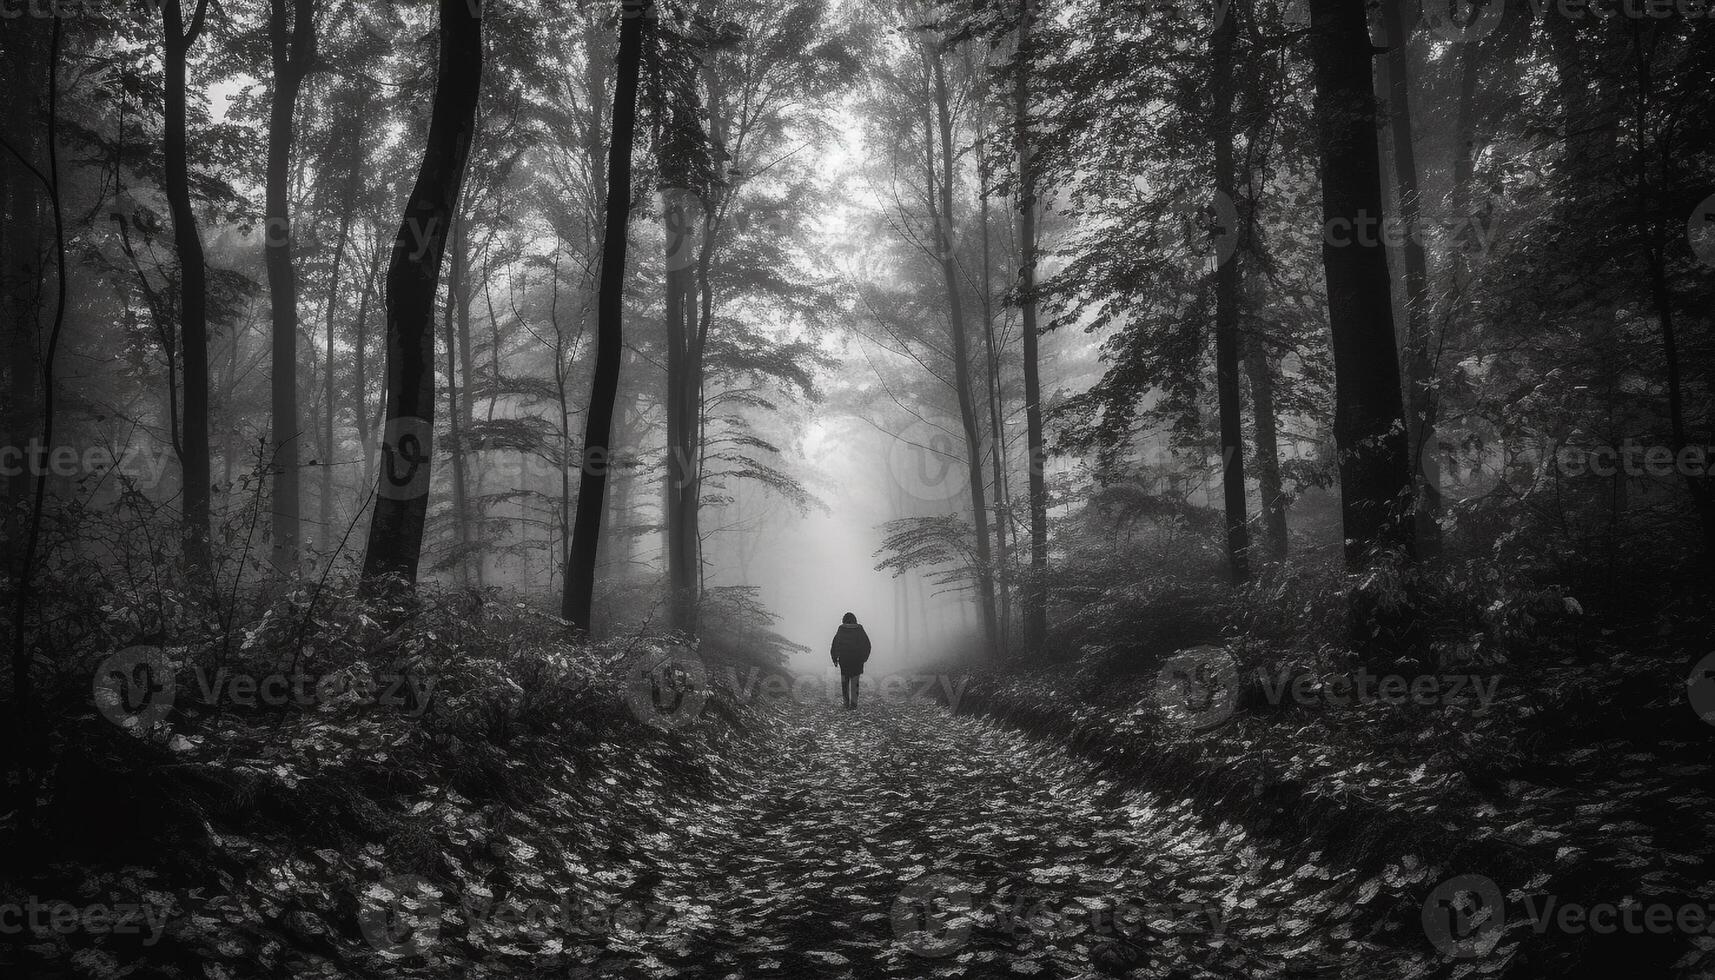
(1420,377)
(576,603)
(26,734)
(291,39)
(20,261)
(193,299)
(402,490)
(1227,287)
(1369,423)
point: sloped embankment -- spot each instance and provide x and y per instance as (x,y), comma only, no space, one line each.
(1415,794)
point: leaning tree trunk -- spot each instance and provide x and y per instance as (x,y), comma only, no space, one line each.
(402,491)
(1420,379)
(579,596)
(193,285)
(360,374)
(1369,416)
(1036,596)
(1227,284)
(293,46)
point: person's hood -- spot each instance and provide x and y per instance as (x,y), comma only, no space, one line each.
(851,626)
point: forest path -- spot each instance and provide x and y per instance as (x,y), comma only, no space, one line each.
(901,840)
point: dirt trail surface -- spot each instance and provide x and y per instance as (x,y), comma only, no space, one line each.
(899,840)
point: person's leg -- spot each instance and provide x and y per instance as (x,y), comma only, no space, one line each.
(845,690)
(854,681)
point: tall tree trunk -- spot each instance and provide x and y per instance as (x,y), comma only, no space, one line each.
(456,297)
(27,731)
(991,374)
(682,406)
(944,222)
(228,385)
(1267,447)
(1450,303)
(402,491)
(193,279)
(1653,238)
(21,276)
(293,46)
(1227,283)
(579,596)
(614,549)
(1036,596)
(1420,373)
(562,394)
(1369,422)
(330,394)
(997,434)
(360,375)
(695,375)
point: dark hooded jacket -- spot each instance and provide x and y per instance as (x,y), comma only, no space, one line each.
(851,648)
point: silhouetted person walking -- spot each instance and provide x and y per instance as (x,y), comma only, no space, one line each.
(850,650)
